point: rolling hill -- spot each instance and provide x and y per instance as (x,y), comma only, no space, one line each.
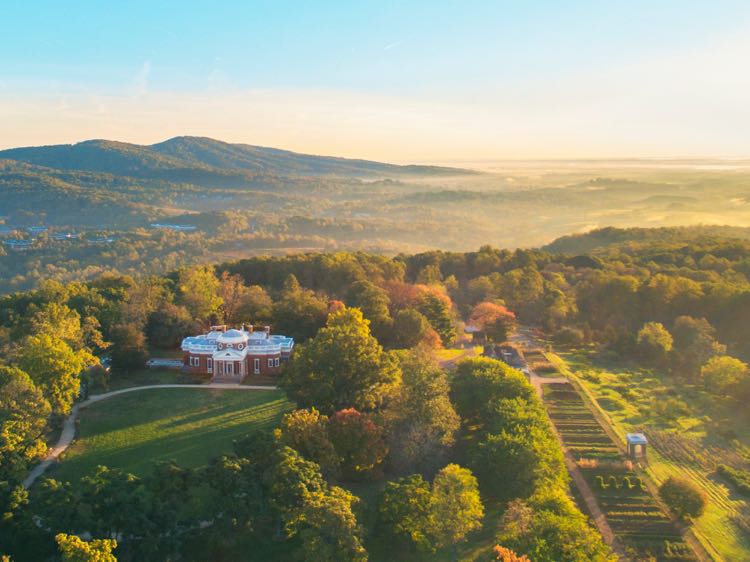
(201,160)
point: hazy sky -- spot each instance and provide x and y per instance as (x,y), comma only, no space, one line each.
(402,81)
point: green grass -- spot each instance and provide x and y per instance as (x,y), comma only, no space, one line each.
(685,425)
(134,430)
(143,377)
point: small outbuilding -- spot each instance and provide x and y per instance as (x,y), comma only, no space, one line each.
(637,443)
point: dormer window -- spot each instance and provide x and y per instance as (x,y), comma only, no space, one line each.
(240,346)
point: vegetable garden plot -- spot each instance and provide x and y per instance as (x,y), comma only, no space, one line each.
(632,512)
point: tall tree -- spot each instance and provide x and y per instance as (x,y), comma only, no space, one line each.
(373,302)
(694,344)
(358,442)
(654,343)
(307,432)
(200,292)
(299,312)
(438,313)
(493,320)
(23,419)
(55,368)
(342,366)
(722,373)
(456,509)
(421,422)
(331,532)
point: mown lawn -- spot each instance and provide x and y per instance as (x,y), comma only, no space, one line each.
(191,426)
(690,432)
(143,377)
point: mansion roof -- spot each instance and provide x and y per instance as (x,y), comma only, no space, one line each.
(241,342)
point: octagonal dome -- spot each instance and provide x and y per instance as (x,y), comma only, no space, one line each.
(232,336)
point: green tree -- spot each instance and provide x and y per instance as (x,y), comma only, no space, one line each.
(512,464)
(129,349)
(549,528)
(480,380)
(683,497)
(654,343)
(330,532)
(694,344)
(55,368)
(722,373)
(420,419)
(200,292)
(409,328)
(73,549)
(456,508)
(290,480)
(358,441)
(243,304)
(168,325)
(404,511)
(299,313)
(23,419)
(438,313)
(342,366)
(373,302)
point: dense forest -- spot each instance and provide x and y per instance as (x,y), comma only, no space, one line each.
(245,201)
(383,442)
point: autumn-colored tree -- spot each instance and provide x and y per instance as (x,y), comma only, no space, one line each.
(74,549)
(358,441)
(494,321)
(55,368)
(307,432)
(243,304)
(23,419)
(723,373)
(503,554)
(200,292)
(654,343)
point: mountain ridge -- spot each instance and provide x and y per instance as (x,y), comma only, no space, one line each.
(205,157)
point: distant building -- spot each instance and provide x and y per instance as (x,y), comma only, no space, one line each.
(36,229)
(65,236)
(175,227)
(231,355)
(18,245)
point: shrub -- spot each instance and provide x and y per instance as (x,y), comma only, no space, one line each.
(740,479)
(683,497)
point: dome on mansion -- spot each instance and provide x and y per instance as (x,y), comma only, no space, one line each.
(232,336)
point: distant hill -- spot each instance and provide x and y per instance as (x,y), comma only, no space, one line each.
(202,160)
(605,238)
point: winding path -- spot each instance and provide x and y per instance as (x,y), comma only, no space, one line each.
(69,425)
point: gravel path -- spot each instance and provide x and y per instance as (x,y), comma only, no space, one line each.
(69,425)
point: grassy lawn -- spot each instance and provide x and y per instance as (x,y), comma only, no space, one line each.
(134,430)
(689,432)
(143,377)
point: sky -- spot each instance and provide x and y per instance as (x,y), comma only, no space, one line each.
(421,81)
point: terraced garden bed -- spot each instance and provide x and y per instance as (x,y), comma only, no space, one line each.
(632,512)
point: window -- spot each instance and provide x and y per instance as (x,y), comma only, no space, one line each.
(270,362)
(256,366)
(195,361)
(276,362)
(229,369)
(209,365)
